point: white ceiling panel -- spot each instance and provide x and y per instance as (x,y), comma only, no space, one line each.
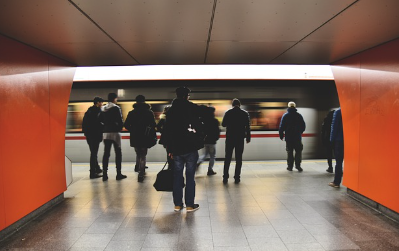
(226,52)
(272,20)
(151,20)
(176,52)
(129,32)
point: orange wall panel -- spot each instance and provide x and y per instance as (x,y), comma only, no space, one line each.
(379,122)
(348,77)
(34,89)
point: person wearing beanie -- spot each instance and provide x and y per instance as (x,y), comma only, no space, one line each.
(291,127)
(93,130)
(113,124)
(140,122)
(237,123)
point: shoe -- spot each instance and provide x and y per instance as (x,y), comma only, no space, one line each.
(95,175)
(140,178)
(299,169)
(237,181)
(120,177)
(329,170)
(99,170)
(193,208)
(225,181)
(146,167)
(289,168)
(332,184)
(179,208)
(211,172)
(105,176)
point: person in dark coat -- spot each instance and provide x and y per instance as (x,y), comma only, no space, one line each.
(337,137)
(325,139)
(184,137)
(212,134)
(237,123)
(160,127)
(292,126)
(111,116)
(140,122)
(93,130)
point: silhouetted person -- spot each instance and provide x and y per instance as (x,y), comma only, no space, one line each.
(292,126)
(113,124)
(212,134)
(337,137)
(237,123)
(140,122)
(162,141)
(325,139)
(93,130)
(184,138)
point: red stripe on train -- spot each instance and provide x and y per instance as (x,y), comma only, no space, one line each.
(275,135)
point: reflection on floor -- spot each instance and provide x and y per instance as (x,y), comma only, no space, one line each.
(271,209)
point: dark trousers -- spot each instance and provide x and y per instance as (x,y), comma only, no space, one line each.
(141,158)
(329,147)
(238,145)
(190,161)
(93,146)
(339,159)
(107,153)
(292,146)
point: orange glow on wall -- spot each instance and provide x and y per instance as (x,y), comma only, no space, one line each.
(368,90)
(34,90)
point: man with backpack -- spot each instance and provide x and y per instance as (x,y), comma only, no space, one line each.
(140,122)
(292,126)
(93,130)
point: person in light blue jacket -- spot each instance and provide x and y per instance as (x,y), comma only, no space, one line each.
(337,137)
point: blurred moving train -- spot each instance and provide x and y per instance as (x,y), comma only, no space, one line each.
(265,100)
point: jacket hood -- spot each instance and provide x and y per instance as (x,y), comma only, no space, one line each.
(292,109)
(141,106)
(108,106)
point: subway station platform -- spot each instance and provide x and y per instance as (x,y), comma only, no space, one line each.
(271,209)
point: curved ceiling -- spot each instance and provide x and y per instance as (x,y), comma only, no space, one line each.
(132,32)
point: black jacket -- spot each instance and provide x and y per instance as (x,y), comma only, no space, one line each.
(292,125)
(183,128)
(112,118)
(211,130)
(140,122)
(91,125)
(326,128)
(237,123)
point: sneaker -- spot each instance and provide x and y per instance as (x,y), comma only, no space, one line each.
(193,208)
(299,169)
(210,172)
(329,170)
(120,177)
(105,177)
(179,208)
(237,181)
(332,184)
(289,168)
(225,181)
(140,178)
(95,176)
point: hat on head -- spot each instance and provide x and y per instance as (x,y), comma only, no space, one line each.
(97,99)
(182,92)
(291,104)
(140,99)
(112,96)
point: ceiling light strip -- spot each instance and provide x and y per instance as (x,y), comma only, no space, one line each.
(210,30)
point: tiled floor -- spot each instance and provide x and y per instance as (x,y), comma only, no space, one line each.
(271,209)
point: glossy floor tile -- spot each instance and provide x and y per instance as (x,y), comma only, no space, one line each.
(271,209)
